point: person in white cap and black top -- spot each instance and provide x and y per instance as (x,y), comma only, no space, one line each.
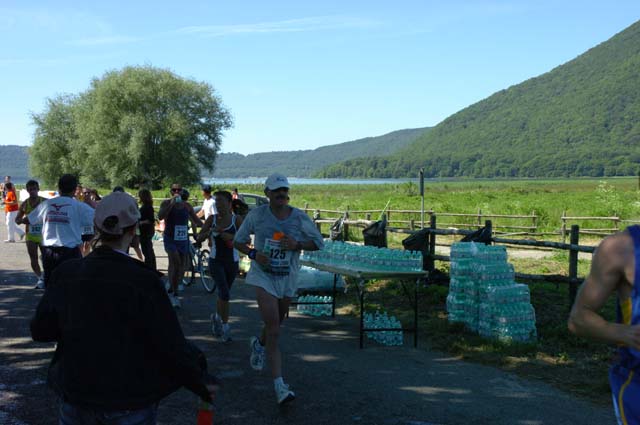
(120,347)
(281,232)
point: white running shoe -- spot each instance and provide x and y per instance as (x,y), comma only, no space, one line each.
(226,333)
(40,284)
(283,393)
(175,301)
(216,325)
(257,354)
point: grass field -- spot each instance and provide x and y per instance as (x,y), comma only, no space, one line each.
(548,199)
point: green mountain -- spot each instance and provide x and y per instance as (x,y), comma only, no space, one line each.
(14,159)
(13,162)
(305,163)
(580,119)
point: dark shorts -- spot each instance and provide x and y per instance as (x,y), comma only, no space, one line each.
(223,273)
(175,246)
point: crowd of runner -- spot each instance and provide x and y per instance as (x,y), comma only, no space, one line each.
(124,311)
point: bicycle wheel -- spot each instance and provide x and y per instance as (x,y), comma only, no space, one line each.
(193,267)
(207,280)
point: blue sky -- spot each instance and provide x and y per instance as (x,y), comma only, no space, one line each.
(299,74)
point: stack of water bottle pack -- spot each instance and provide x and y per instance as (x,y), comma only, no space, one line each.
(484,295)
(383,321)
(365,258)
(322,306)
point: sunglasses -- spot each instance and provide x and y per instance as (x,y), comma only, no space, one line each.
(173,189)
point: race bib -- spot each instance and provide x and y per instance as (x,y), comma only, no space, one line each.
(181,233)
(35,229)
(280,258)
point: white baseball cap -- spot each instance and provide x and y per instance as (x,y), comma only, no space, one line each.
(115,212)
(276,181)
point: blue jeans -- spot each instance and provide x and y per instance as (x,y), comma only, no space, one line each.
(75,415)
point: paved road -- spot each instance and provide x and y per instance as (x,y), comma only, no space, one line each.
(336,383)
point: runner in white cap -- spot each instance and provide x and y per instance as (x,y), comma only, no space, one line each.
(281,232)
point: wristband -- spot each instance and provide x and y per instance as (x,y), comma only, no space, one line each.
(252,253)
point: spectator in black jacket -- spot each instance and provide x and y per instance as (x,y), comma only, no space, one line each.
(120,347)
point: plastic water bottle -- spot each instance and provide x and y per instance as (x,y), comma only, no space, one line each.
(205,413)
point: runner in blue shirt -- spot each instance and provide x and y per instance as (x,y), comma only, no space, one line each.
(615,268)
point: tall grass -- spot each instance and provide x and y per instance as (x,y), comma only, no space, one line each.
(547,199)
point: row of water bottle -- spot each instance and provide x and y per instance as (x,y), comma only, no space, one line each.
(365,257)
(383,321)
(507,322)
(322,307)
(482,271)
(482,252)
(507,294)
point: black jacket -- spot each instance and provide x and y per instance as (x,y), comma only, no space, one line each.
(120,345)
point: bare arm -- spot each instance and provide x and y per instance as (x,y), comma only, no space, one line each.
(165,207)
(606,275)
(21,211)
(245,247)
(206,228)
(195,221)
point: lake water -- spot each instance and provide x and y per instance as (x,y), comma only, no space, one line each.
(294,181)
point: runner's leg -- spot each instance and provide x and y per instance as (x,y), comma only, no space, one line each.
(270,310)
(175,263)
(32,250)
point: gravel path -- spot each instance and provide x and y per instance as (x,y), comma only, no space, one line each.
(336,383)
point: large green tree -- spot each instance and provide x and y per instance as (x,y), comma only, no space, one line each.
(135,126)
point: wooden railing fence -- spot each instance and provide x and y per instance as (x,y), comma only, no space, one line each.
(509,224)
(432,232)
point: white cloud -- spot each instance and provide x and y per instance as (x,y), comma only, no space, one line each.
(319,23)
(108,40)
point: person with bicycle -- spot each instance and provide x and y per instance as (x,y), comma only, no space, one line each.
(223,260)
(176,213)
(281,232)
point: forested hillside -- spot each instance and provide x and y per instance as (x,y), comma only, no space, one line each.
(580,119)
(13,162)
(307,162)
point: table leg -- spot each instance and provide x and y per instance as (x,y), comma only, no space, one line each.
(333,298)
(415,314)
(361,295)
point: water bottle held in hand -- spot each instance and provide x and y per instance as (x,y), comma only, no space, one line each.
(205,413)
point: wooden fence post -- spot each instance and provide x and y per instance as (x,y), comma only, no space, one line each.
(489,226)
(345,226)
(535,221)
(431,263)
(563,227)
(367,216)
(306,207)
(479,218)
(412,224)
(573,263)
(316,216)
